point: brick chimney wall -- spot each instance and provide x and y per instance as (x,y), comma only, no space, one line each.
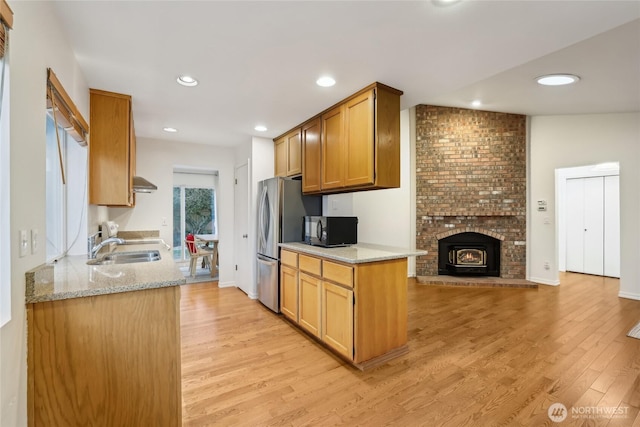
(471,174)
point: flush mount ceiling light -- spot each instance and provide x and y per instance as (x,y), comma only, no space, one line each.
(557,79)
(260,128)
(170,130)
(476,103)
(325,81)
(187,81)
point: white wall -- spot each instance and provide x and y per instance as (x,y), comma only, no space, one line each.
(155,160)
(578,140)
(37,42)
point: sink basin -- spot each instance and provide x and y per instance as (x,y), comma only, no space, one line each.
(126,257)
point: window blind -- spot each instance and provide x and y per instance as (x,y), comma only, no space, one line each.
(66,112)
(6,18)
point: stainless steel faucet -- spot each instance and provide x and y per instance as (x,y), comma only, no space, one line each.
(93,252)
(95,248)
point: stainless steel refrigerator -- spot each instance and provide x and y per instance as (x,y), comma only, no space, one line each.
(281,211)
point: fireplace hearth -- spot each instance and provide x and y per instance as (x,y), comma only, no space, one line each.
(468,253)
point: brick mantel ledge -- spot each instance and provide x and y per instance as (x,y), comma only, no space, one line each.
(455,231)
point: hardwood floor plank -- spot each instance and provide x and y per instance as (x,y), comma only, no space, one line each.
(477,357)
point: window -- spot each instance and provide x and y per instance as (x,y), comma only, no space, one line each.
(6,19)
(194,208)
(66,167)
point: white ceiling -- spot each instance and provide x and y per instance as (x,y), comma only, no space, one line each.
(257,62)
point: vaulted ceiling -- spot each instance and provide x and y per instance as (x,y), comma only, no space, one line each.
(257,62)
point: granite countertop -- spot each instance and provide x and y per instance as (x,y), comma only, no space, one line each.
(354,254)
(71,277)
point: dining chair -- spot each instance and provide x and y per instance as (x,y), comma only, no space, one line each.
(195,252)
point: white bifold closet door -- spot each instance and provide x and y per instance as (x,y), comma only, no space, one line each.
(593,226)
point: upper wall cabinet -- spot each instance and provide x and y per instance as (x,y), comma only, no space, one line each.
(354,145)
(288,154)
(112,149)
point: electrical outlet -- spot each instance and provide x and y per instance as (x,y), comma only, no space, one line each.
(23,242)
(164,220)
(546,265)
(34,240)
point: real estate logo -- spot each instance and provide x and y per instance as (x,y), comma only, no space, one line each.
(557,412)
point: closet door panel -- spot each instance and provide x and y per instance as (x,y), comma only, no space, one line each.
(594,225)
(575,225)
(612,226)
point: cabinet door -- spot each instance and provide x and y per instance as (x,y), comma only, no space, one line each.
(337,318)
(359,140)
(281,157)
(311,156)
(110,166)
(310,296)
(333,148)
(294,153)
(289,292)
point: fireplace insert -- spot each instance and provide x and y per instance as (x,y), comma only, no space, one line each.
(469,254)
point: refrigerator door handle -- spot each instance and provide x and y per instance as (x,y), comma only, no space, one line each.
(261,222)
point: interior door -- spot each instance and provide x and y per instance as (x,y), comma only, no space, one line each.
(594,225)
(242,251)
(575,225)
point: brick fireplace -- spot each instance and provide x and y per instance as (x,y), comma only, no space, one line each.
(471,178)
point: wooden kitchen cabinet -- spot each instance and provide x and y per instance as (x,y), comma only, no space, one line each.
(337,318)
(357,310)
(289,284)
(109,360)
(288,154)
(353,145)
(112,149)
(311,156)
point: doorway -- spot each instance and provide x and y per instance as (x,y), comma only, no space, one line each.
(589,219)
(194,207)
(243,272)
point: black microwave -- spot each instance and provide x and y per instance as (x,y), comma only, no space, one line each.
(331,230)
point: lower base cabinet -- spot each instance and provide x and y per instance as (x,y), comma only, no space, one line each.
(337,318)
(310,309)
(357,310)
(107,360)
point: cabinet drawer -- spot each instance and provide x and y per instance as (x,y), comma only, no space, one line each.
(338,273)
(289,258)
(310,265)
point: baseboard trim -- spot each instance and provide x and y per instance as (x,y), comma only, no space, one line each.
(544,281)
(230,284)
(629,295)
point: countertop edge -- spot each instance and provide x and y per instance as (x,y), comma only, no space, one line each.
(382,253)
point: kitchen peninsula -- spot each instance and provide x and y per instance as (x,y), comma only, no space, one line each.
(351,299)
(104,342)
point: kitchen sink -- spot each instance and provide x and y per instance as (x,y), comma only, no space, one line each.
(126,257)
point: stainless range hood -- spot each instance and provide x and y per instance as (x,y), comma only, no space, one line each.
(141,185)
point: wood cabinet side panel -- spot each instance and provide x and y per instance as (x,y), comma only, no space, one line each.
(380,308)
(387,145)
(107,360)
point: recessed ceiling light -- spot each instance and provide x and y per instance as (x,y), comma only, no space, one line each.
(170,130)
(260,128)
(476,103)
(325,81)
(557,79)
(187,81)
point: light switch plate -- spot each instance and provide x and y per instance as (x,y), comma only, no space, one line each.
(23,242)
(34,240)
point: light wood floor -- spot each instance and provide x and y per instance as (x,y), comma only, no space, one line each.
(478,357)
